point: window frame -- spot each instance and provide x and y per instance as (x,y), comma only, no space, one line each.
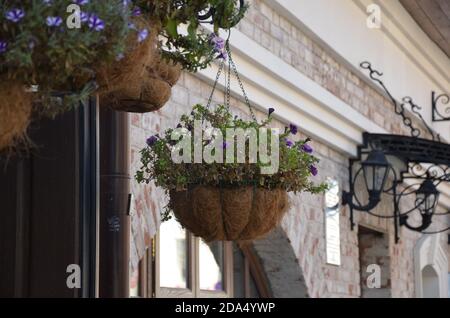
(149,272)
(193,284)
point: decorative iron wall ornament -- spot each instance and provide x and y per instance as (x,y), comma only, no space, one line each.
(440,106)
(407,170)
(400,107)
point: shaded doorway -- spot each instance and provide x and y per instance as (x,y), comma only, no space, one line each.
(48,208)
(374,260)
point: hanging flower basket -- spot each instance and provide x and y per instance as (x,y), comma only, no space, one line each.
(15,112)
(227,178)
(109,47)
(225,200)
(39,49)
(141,82)
(229,214)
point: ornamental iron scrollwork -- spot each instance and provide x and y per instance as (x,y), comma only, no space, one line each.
(440,104)
(399,107)
(413,162)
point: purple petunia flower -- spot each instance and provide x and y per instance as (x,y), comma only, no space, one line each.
(81,2)
(142,35)
(54,21)
(96,23)
(223,55)
(293,129)
(218,42)
(3,46)
(313,170)
(307,148)
(271,110)
(136,12)
(84,17)
(151,141)
(218,46)
(289,143)
(15,15)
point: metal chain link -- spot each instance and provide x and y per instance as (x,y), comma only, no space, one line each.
(231,65)
(228,89)
(215,83)
(241,85)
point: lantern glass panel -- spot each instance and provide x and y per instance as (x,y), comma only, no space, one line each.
(375,177)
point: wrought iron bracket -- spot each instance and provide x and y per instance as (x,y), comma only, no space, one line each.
(420,159)
(440,107)
(400,107)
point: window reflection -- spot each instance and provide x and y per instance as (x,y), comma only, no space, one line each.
(211,266)
(134,284)
(174,255)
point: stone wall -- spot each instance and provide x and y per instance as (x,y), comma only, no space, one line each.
(304,223)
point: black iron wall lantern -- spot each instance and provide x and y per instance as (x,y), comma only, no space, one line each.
(406,170)
(426,201)
(375,170)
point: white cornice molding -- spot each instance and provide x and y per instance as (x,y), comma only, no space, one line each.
(412,63)
(408,35)
(397,25)
(423,53)
(271,82)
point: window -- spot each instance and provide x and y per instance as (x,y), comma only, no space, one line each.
(141,280)
(186,266)
(173,253)
(182,265)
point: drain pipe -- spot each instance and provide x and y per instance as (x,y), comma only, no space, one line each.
(114,204)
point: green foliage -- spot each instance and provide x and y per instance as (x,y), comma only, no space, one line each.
(193,48)
(62,60)
(57,58)
(294,162)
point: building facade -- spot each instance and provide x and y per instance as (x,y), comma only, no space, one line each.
(303,59)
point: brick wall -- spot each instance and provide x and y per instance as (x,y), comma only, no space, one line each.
(304,223)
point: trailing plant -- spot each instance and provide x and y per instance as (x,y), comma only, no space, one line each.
(37,47)
(296,162)
(58,56)
(194,48)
